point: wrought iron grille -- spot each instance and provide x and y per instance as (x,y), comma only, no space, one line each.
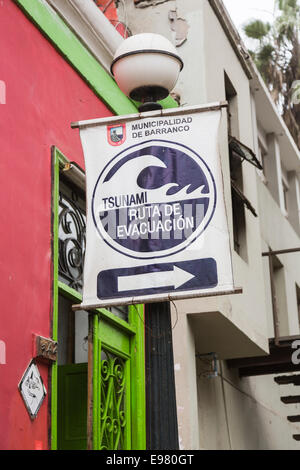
(72,228)
(72,240)
(113,420)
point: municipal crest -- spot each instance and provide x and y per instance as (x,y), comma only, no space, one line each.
(116,135)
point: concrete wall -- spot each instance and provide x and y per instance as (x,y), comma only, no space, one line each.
(278,233)
(244,414)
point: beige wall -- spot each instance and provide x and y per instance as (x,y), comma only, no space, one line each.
(278,233)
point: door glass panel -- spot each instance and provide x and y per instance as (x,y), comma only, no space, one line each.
(72,333)
(121,312)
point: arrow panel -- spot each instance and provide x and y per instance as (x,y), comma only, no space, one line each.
(157,278)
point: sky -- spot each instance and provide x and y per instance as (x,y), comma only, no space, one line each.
(243,10)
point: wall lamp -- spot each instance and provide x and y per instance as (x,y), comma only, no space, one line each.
(146,68)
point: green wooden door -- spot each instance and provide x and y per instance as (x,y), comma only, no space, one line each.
(119,388)
(72,407)
(118,391)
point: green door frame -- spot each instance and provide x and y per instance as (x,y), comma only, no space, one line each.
(134,329)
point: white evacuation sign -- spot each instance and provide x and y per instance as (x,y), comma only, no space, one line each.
(156,218)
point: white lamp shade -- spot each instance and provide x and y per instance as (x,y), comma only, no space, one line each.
(146,60)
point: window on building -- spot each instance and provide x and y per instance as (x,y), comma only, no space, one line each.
(278,293)
(232,115)
(239,201)
(242,152)
(297,199)
(262,150)
(285,189)
(262,154)
(238,152)
(298,300)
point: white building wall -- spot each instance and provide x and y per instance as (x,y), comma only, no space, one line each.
(244,414)
(278,233)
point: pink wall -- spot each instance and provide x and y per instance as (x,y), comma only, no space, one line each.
(43,96)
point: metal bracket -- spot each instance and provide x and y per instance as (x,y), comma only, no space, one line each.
(209,359)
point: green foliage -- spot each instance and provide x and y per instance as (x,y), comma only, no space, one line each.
(285,4)
(277,57)
(265,54)
(257,29)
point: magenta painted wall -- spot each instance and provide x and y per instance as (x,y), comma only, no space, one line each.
(43,95)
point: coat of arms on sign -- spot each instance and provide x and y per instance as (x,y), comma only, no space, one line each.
(116,135)
(32,389)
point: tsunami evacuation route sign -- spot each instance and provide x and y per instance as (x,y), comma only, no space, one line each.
(158,213)
(150,205)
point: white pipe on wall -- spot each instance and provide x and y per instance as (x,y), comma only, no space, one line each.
(108,35)
(91,26)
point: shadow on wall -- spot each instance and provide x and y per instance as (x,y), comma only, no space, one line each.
(231,417)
